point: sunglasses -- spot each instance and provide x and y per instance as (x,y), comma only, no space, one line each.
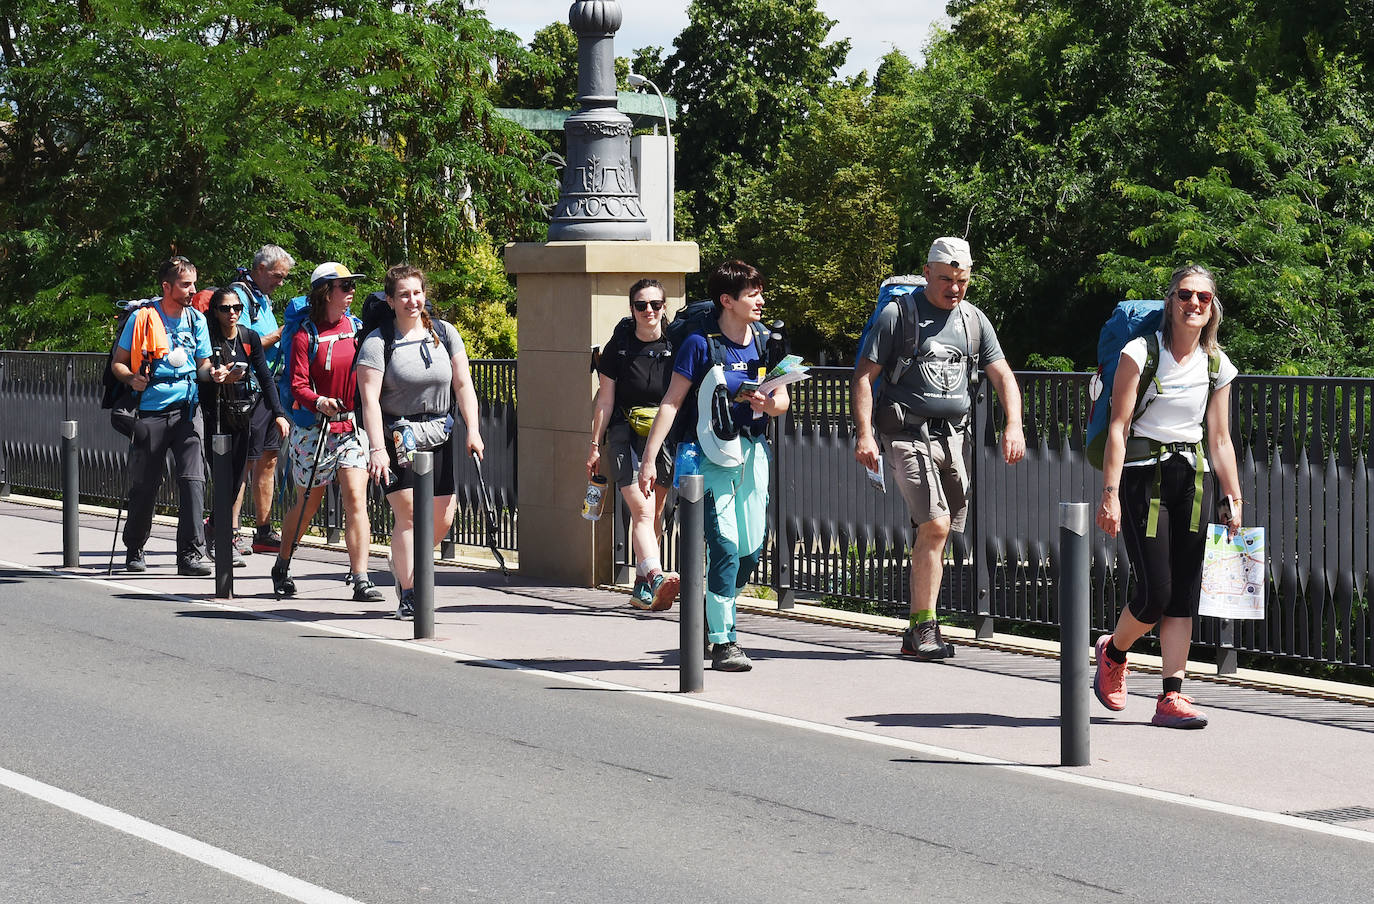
(229,308)
(1203,296)
(346,285)
(642,306)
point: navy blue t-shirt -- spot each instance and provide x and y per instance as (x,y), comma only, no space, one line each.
(741,362)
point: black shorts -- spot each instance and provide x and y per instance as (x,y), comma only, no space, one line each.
(624,448)
(405,477)
(1168,566)
(263,435)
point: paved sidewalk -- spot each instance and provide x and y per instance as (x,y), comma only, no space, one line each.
(1269,751)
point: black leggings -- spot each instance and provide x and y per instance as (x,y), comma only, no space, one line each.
(1168,566)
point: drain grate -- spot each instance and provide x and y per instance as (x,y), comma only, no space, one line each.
(1338,814)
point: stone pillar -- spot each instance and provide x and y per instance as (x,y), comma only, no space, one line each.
(570,296)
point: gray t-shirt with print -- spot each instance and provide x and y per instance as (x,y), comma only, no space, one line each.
(420,375)
(936,384)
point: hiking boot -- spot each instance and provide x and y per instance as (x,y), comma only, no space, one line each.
(664,586)
(1109,681)
(364,591)
(134,561)
(407,607)
(1174,710)
(925,642)
(193,565)
(728,657)
(642,597)
(282,585)
(265,539)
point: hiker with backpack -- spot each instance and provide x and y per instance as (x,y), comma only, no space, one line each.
(163,350)
(254,285)
(716,372)
(1169,424)
(232,407)
(326,442)
(928,345)
(633,370)
(411,370)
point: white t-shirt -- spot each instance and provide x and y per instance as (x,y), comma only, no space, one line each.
(1175,414)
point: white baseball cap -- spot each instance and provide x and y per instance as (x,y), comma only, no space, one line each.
(950,250)
(330,270)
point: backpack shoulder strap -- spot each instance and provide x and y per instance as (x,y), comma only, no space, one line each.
(1149,375)
(973,333)
(908,328)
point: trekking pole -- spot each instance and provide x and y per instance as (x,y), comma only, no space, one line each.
(1074,561)
(489,510)
(71,497)
(323,424)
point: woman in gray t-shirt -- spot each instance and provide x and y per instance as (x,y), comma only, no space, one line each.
(410,394)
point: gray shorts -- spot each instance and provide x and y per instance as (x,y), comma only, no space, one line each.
(620,463)
(934,480)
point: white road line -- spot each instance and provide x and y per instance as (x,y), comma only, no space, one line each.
(234,865)
(959,756)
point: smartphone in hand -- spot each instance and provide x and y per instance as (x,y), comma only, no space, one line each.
(747,390)
(1225,509)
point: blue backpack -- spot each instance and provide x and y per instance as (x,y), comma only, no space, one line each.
(894,288)
(297,318)
(1129,320)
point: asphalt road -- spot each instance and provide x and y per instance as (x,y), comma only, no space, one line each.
(385,774)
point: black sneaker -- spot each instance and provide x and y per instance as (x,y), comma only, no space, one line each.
(265,539)
(282,585)
(925,642)
(364,591)
(407,607)
(134,561)
(193,565)
(728,657)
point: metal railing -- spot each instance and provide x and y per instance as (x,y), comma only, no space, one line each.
(39,389)
(1303,447)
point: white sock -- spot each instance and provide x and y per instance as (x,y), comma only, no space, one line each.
(646,567)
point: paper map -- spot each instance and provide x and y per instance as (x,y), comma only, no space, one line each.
(1233,573)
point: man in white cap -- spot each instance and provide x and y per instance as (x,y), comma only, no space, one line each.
(927,345)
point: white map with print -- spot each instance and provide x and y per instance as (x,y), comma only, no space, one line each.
(1233,573)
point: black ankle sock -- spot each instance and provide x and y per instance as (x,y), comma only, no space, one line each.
(1173,685)
(1115,655)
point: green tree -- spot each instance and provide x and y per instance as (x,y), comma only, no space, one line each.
(822,222)
(741,71)
(356,130)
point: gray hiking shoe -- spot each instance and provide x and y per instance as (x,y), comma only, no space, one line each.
(925,642)
(728,657)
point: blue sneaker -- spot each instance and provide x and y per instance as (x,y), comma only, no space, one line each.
(407,607)
(642,597)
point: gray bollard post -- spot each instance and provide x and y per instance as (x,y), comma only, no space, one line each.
(71,497)
(423,466)
(691,557)
(1074,562)
(220,446)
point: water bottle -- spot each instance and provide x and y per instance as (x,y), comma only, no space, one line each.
(595,499)
(403,439)
(688,461)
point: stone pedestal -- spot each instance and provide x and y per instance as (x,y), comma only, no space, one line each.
(570,297)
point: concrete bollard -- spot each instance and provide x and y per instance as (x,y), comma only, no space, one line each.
(71,497)
(1074,597)
(423,466)
(691,556)
(221,464)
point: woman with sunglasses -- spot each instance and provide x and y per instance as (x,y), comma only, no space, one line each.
(410,371)
(634,370)
(1156,459)
(229,407)
(333,445)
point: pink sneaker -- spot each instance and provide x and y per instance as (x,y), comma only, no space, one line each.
(1174,710)
(1109,681)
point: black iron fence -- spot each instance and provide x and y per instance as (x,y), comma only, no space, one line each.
(1303,445)
(39,389)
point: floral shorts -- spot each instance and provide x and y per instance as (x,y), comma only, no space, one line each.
(341,450)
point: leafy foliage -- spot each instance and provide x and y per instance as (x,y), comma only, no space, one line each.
(354,130)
